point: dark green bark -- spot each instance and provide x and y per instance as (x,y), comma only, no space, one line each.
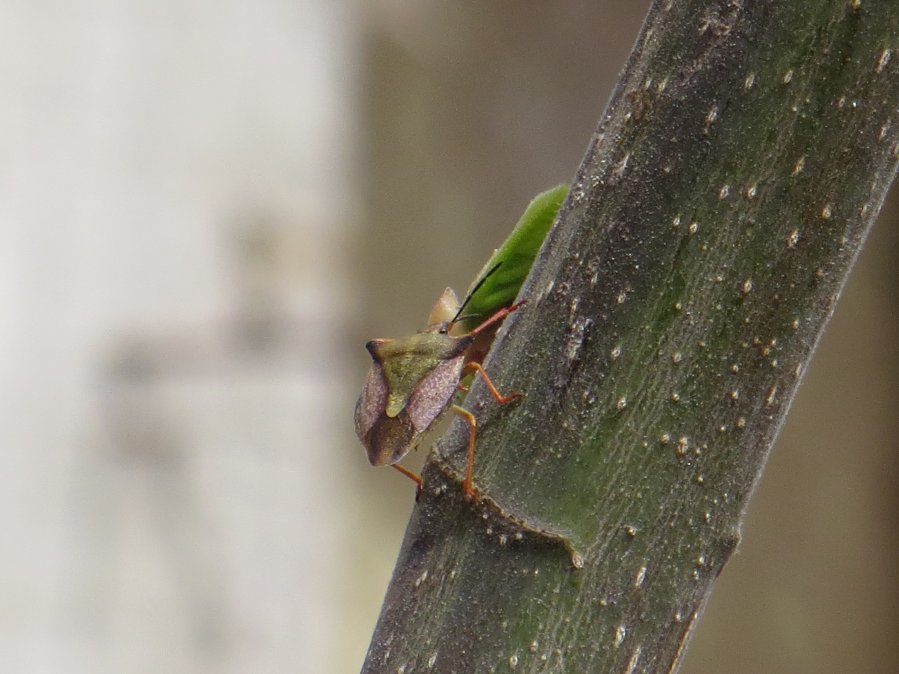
(710,228)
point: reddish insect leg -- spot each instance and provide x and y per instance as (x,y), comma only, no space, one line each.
(408,473)
(467,486)
(469,462)
(498,316)
(497,396)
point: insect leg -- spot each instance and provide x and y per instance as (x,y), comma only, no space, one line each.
(469,461)
(467,486)
(498,316)
(497,396)
(408,473)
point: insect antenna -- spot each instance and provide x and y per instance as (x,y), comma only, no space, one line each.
(468,297)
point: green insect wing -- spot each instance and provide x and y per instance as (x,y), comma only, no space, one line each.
(498,283)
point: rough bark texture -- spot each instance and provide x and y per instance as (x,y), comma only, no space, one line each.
(672,311)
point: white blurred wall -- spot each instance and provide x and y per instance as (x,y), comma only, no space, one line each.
(175,190)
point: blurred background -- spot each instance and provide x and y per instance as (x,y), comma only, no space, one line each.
(206,208)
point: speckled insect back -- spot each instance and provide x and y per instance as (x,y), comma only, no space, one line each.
(411,383)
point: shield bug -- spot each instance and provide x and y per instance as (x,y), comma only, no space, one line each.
(413,380)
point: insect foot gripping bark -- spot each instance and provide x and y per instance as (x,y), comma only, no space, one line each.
(412,382)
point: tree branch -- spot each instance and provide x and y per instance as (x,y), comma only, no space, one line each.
(722,200)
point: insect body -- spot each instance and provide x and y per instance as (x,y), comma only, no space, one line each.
(413,380)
